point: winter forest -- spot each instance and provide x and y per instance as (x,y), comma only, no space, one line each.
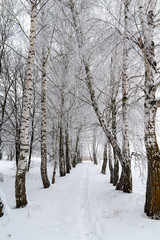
(79,119)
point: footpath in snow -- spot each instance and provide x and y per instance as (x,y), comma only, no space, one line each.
(80,206)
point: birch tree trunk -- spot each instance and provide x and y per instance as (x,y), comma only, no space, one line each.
(114,132)
(62,166)
(127,176)
(110,163)
(114,113)
(74,162)
(1,208)
(44,176)
(1,141)
(152,204)
(55,156)
(104,165)
(68,166)
(102,122)
(32,131)
(79,158)
(17,123)
(94,148)
(21,199)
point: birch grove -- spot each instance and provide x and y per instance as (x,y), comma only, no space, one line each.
(81,79)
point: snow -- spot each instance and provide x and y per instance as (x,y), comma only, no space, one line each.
(80,206)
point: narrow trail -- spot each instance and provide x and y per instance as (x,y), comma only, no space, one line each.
(81,206)
(87,214)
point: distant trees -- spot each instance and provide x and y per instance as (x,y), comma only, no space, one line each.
(6,81)
(76,157)
(15,105)
(89,83)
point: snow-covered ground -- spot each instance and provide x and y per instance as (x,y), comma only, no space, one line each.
(82,205)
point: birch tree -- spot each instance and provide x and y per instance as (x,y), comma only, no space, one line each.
(146,42)
(68,166)
(32,129)
(113,106)
(111,169)
(21,198)
(76,157)
(127,176)
(55,156)
(94,147)
(62,165)
(44,176)
(104,165)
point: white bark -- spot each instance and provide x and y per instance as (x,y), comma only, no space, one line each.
(21,199)
(125,89)
(152,204)
(44,176)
